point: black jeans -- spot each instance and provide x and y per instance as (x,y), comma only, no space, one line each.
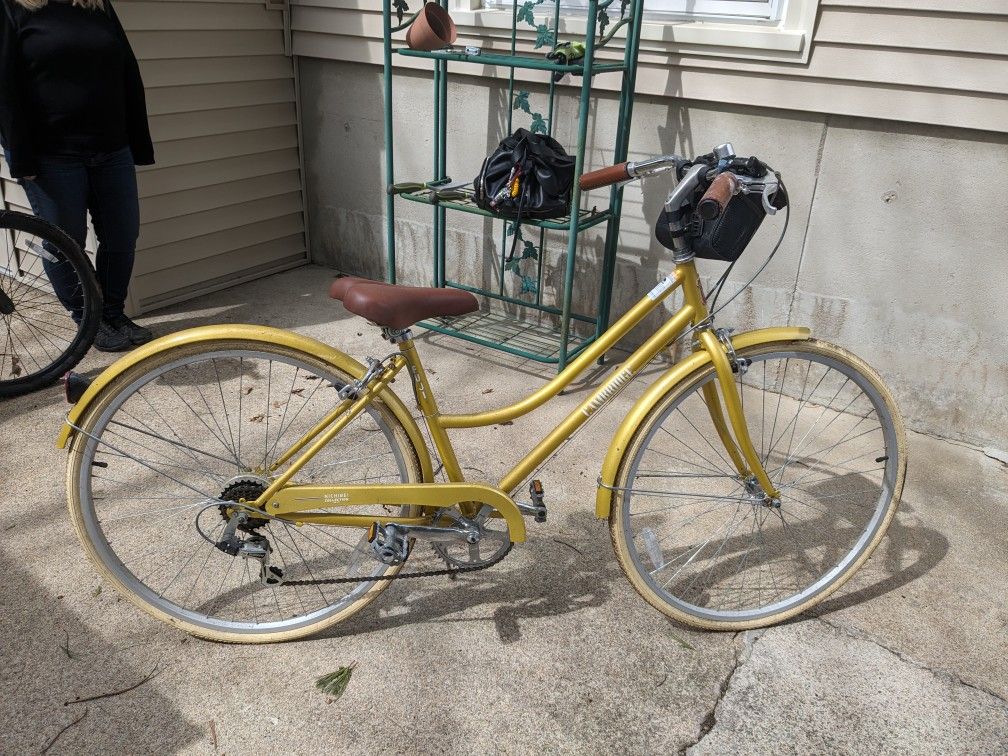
(65,190)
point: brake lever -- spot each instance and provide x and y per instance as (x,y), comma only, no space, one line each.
(767,190)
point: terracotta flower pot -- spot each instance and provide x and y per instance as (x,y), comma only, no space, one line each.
(432,30)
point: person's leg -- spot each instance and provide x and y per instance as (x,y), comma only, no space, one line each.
(115,213)
(58,194)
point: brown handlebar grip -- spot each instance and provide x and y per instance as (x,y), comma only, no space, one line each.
(716,198)
(604,177)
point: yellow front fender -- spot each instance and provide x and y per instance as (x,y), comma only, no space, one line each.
(254,333)
(678,372)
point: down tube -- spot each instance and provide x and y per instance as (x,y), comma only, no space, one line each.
(618,380)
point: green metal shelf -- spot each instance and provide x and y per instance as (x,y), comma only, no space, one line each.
(520,302)
(489,58)
(507,334)
(523,287)
(586,218)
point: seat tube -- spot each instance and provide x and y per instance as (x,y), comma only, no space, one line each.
(428,406)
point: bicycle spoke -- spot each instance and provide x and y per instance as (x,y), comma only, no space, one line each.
(172,443)
(220,388)
(715,551)
(177,444)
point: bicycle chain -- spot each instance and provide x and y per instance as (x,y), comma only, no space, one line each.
(397,576)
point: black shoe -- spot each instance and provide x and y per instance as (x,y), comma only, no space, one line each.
(136,334)
(111,339)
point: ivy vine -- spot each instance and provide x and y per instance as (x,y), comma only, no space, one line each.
(604,20)
(529,252)
(544,35)
(539,124)
(400,8)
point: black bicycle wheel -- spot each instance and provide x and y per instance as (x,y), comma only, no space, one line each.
(42,334)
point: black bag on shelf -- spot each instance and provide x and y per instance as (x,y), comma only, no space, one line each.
(527,176)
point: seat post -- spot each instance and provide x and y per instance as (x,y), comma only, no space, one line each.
(426,402)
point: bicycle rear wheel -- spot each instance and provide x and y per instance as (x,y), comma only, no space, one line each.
(42,335)
(699,542)
(176,438)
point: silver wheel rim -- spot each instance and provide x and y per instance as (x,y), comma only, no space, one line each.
(747,538)
(358,562)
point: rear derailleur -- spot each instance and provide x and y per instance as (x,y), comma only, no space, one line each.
(254,546)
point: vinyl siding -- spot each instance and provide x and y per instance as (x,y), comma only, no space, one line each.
(921,61)
(224,202)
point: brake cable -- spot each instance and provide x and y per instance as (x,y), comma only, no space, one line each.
(714,310)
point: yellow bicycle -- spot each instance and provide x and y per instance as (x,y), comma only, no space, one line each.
(250,484)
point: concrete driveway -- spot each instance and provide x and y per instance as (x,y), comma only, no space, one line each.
(551,651)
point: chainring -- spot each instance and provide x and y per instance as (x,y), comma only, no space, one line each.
(494,543)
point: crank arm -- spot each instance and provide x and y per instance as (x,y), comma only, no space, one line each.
(438,535)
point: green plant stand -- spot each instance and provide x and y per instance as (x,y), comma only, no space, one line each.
(529,27)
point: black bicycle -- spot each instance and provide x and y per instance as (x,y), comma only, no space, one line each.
(43,333)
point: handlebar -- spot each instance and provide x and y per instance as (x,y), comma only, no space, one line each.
(717,196)
(611,174)
(731,176)
(615,174)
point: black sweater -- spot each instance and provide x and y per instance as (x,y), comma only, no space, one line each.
(69,85)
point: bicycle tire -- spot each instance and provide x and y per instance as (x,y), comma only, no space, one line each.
(146,412)
(18,294)
(653,535)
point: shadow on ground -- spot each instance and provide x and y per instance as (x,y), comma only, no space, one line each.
(908,553)
(558,576)
(62,659)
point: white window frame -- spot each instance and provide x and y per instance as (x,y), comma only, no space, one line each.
(750,10)
(739,11)
(783,38)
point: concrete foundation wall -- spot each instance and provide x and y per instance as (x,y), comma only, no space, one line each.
(895,248)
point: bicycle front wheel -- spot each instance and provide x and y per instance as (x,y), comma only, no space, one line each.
(175,440)
(43,333)
(699,542)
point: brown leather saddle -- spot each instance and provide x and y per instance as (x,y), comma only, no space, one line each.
(399,307)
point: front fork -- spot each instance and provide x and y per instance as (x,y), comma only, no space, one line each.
(740,447)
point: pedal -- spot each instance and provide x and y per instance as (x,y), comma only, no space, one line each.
(537,493)
(388,543)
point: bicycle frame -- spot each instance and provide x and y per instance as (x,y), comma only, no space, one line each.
(281,499)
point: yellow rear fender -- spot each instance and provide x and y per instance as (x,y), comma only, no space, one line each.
(252,333)
(672,377)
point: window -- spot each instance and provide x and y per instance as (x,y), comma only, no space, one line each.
(708,10)
(771,30)
(748,10)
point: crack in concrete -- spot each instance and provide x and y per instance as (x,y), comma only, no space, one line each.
(742,654)
(851,632)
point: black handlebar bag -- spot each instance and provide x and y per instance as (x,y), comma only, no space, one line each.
(527,176)
(726,237)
